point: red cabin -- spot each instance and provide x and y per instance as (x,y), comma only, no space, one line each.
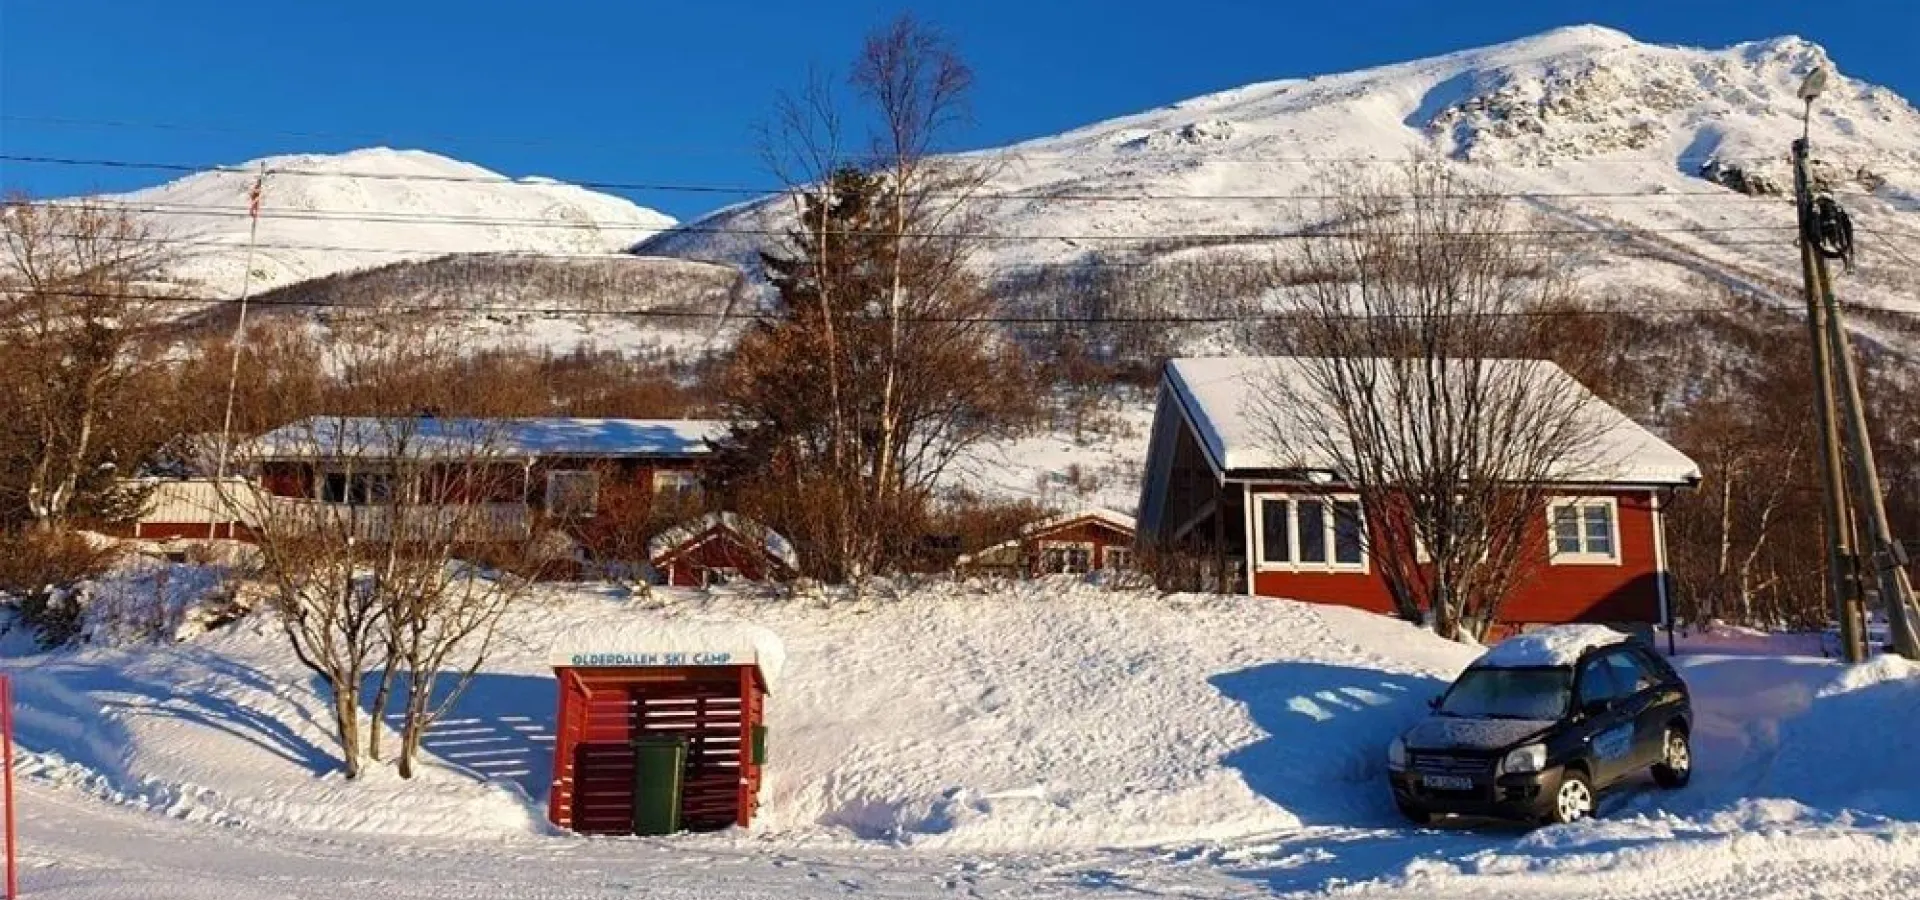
(1238,471)
(718,548)
(622,682)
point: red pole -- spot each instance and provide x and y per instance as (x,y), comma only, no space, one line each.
(6,759)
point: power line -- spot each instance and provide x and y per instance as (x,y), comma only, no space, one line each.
(1221,238)
(1212,155)
(755,191)
(764,316)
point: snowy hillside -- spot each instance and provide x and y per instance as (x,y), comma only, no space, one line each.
(612,301)
(322,214)
(1053,739)
(1596,130)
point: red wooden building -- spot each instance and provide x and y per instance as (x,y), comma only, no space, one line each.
(620,682)
(582,475)
(1089,540)
(718,548)
(1220,478)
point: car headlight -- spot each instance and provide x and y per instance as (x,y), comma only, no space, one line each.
(1397,754)
(1531,758)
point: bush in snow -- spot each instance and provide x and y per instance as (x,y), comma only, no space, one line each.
(41,573)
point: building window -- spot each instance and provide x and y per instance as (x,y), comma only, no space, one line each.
(355,488)
(1062,558)
(1312,533)
(1584,531)
(573,493)
(1119,559)
(678,484)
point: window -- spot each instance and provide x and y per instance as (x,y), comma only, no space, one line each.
(1508,694)
(1584,531)
(1119,559)
(573,493)
(1311,533)
(1596,682)
(1627,671)
(1058,558)
(676,483)
(356,488)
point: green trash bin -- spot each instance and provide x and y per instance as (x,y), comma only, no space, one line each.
(659,770)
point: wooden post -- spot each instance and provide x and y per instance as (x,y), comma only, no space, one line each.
(749,780)
(558,810)
(6,760)
(1220,537)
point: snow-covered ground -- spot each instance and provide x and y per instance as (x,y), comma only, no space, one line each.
(1044,739)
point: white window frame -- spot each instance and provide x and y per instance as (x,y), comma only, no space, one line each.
(1584,557)
(593,493)
(1328,522)
(1040,553)
(1126,558)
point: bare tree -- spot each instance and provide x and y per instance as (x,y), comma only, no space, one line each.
(1412,382)
(393,541)
(885,364)
(78,288)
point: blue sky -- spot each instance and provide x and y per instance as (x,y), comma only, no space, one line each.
(669,91)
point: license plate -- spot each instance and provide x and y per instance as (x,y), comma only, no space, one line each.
(1447,782)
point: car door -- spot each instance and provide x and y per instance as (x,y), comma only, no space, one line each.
(1607,734)
(1638,704)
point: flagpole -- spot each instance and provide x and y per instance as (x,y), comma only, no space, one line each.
(239,334)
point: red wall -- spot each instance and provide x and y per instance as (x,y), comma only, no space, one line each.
(1079,531)
(718,548)
(1628,592)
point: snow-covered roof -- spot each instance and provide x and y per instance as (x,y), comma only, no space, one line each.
(428,437)
(627,642)
(1555,645)
(1237,410)
(1118,520)
(776,544)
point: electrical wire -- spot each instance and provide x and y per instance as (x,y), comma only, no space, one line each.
(755,191)
(764,316)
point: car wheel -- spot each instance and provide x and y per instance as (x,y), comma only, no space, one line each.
(1414,814)
(1574,799)
(1675,767)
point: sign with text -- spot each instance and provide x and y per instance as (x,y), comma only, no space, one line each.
(693,658)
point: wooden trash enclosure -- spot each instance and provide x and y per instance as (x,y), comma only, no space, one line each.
(706,685)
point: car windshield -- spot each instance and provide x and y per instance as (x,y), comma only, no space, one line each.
(1509,694)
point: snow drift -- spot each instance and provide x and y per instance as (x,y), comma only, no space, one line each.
(963,717)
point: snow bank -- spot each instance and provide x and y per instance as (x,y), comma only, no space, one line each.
(1042,716)
(1558,645)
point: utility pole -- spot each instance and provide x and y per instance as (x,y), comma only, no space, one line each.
(1843,582)
(1836,378)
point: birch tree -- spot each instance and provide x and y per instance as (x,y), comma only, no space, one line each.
(884,363)
(80,287)
(1413,379)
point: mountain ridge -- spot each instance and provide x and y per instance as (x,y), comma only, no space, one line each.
(326,213)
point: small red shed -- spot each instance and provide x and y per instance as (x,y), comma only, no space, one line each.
(720,547)
(622,683)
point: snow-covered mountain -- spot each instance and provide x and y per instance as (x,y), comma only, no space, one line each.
(1598,130)
(328,213)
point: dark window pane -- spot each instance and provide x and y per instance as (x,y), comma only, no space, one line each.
(1313,531)
(1566,529)
(1596,682)
(1346,532)
(333,488)
(1274,547)
(1598,519)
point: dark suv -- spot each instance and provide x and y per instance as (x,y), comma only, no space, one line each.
(1541,724)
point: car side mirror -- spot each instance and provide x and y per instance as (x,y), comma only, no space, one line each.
(1433,702)
(1597,707)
